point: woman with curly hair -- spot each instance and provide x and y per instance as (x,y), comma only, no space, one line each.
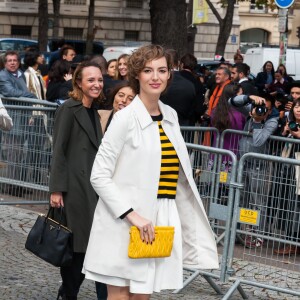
(143,176)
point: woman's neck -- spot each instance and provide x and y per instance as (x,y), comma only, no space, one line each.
(87,102)
(151,104)
(35,67)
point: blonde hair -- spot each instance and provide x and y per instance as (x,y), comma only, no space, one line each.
(125,57)
(77,93)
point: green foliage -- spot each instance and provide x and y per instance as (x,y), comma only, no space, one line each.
(269,3)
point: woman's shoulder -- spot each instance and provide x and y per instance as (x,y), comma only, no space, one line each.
(104,113)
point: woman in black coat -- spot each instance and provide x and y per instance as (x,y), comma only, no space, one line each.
(76,138)
(265,78)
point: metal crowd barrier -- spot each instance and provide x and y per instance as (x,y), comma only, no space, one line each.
(267,215)
(25,151)
(251,199)
(219,212)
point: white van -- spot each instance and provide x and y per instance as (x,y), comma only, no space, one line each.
(256,57)
(114,52)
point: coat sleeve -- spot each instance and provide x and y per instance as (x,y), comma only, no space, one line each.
(260,136)
(6,122)
(59,167)
(105,165)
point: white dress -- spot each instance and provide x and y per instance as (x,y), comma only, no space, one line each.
(163,273)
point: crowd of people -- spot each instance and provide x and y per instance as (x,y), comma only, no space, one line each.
(119,158)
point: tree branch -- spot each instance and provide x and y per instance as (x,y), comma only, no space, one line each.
(215,12)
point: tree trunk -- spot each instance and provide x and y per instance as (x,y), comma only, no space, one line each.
(191,30)
(56,10)
(43,25)
(225,25)
(90,29)
(168,24)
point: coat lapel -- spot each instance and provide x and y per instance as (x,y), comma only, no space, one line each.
(83,119)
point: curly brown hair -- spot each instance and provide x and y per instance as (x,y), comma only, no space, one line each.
(77,94)
(140,57)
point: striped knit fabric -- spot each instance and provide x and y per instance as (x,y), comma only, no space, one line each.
(169,169)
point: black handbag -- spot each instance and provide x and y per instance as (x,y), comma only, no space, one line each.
(51,241)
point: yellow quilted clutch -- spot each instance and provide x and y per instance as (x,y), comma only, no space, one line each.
(160,247)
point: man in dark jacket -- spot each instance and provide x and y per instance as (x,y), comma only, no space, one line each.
(239,74)
(188,63)
(180,94)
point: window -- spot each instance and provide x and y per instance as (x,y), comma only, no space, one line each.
(134,3)
(73,33)
(24,1)
(254,6)
(131,35)
(75,2)
(21,31)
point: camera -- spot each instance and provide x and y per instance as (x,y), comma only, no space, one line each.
(293,126)
(283,99)
(260,109)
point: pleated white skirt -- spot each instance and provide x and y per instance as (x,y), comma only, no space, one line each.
(163,273)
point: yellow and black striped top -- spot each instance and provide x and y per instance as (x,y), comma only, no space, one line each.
(169,169)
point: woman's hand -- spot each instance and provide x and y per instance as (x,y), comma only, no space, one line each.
(295,134)
(145,226)
(67,77)
(286,129)
(56,200)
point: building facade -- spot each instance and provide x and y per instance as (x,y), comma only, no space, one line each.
(127,23)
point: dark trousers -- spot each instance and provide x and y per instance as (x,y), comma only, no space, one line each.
(72,279)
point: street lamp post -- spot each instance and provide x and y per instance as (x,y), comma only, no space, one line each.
(283,6)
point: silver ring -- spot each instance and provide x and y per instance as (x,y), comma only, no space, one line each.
(145,229)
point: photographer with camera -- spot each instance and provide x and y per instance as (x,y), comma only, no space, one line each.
(262,123)
(286,209)
(293,93)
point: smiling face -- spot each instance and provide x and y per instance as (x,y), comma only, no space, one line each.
(221,76)
(122,98)
(122,67)
(154,77)
(91,83)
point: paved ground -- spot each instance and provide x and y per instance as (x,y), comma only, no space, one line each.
(23,276)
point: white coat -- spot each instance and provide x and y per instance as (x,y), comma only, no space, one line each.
(126,175)
(33,84)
